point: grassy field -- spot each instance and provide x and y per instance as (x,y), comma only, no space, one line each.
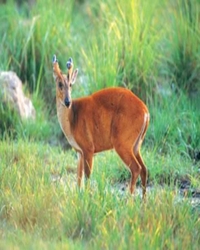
(41,207)
(150,47)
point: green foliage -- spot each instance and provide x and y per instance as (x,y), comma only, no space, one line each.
(132,43)
(29,42)
(174,125)
(183,45)
(147,46)
(125,51)
(9,119)
(41,206)
(40,128)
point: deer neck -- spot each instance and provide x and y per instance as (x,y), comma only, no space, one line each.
(66,120)
(64,117)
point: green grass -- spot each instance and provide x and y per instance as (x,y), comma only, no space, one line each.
(175,123)
(41,206)
(150,47)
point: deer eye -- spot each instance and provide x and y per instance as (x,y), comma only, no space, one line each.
(60,85)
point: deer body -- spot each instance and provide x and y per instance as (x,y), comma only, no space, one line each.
(110,118)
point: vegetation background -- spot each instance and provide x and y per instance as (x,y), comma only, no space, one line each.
(151,47)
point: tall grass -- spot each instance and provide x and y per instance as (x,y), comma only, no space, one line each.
(133,43)
(125,53)
(147,46)
(41,206)
(29,42)
(183,47)
(174,124)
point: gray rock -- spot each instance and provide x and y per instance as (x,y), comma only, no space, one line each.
(11,93)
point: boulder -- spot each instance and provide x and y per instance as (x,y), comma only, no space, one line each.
(11,93)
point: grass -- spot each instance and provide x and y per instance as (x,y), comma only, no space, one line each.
(174,124)
(40,211)
(150,47)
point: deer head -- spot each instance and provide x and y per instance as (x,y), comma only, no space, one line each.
(64,82)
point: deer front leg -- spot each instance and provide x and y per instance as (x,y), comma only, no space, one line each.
(88,163)
(80,168)
(85,163)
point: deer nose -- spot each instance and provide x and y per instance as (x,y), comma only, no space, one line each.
(67,102)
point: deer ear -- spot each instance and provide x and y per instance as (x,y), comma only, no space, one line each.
(74,75)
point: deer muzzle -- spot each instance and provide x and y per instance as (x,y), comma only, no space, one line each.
(67,102)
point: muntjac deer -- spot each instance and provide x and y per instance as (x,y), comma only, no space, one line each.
(110,118)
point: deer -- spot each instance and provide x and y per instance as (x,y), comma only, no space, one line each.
(111,118)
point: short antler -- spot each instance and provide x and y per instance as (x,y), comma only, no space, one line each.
(54,59)
(69,65)
(56,68)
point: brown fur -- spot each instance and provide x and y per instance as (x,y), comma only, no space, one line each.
(110,118)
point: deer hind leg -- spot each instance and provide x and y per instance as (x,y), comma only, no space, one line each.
(143,173)
(127,156)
